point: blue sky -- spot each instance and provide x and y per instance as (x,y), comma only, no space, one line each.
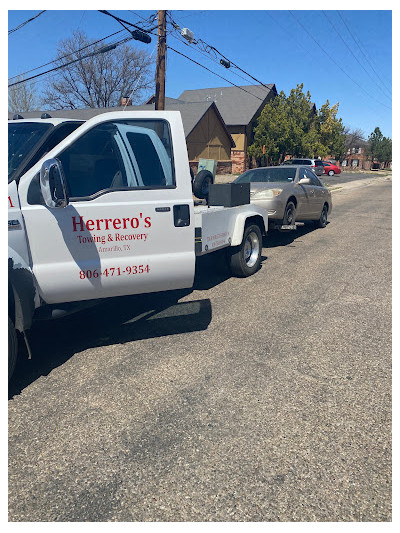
(272,46)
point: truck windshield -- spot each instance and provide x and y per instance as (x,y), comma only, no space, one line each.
(22,137)
(267,175)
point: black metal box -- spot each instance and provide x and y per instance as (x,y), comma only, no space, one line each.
(229,194)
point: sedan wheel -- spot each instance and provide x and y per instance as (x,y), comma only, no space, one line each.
(331,173)
(290,214)
(323,219)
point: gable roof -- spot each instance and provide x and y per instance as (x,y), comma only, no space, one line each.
(237,105)
(168,100)
(191,113)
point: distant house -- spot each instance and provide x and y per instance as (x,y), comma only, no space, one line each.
(206,133)
(239,107)
(356,157)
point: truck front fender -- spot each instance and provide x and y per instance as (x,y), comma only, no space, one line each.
(254,215)
(21,291)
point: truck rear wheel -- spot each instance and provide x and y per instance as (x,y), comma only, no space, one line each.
(245,259)
(12,348)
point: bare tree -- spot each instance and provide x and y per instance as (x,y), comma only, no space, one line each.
(22,98)
(354,138)
(97,81)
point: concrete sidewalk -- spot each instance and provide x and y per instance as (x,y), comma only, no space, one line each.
(358,183)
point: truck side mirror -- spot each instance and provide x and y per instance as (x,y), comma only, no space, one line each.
(52,184)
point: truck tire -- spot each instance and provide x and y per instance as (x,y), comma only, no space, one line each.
(201,183)
(245,259)
(12,348)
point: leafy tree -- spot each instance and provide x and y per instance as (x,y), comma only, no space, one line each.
(374,142)
(272,133)
(379,148)
(97,81)
(22,98)
(287,125)
(331,131)
(386,151)
(301,120)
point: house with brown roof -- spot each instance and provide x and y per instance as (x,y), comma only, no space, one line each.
(239,108)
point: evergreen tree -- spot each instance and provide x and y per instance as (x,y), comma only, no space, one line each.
(288,126)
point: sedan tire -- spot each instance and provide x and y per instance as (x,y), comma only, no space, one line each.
(323,219)
(331,173)
(289,217)
(12,348)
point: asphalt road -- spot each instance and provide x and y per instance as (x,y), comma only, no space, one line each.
(258,399)
(350,177)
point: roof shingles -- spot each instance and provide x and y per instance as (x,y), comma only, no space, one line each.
(237,105)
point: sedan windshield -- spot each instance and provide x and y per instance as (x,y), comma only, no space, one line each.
(268,175)
(22,137)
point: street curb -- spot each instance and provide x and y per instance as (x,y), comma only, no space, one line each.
(360,183)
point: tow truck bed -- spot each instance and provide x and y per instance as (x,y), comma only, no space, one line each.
(215,226)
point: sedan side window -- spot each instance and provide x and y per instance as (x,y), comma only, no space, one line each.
(313,178)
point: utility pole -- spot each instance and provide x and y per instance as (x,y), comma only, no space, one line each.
(160,67)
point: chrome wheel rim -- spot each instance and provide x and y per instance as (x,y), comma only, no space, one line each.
(251,249)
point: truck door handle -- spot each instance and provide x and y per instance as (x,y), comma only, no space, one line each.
(181,215)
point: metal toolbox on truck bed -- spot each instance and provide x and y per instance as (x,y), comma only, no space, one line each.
(229,194)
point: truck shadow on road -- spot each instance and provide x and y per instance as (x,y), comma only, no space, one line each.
(213,269)
(114,321)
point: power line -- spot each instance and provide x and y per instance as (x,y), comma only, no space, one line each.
(208,47)
(335,62)
(99,51)
(122,22)
(149,21)
(26,22)
(352,36)
(351,51)
(209,70)
(290,34)
(206,55)
(66,55)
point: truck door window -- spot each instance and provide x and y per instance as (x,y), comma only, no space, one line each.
(118,155)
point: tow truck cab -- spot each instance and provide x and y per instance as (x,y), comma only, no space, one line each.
(105,208)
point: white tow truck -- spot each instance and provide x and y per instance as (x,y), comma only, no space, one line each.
(105,208)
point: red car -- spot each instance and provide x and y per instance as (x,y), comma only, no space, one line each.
(330,168)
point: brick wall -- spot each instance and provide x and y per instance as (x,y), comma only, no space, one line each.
(223,167)
(240,161)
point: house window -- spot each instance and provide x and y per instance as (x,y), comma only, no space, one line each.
(353,150)
(344,163)
(355,163)
(348,150)
(359,150)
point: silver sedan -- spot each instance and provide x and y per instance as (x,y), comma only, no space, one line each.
(290,193)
